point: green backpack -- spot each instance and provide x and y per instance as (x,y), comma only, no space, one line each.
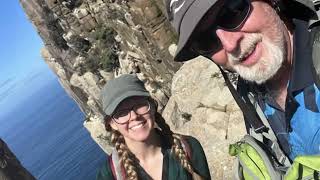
(254,162)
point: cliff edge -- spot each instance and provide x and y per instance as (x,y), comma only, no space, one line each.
(86,43)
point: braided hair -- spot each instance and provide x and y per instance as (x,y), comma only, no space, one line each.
(129,160)
(126,157)
(176,146)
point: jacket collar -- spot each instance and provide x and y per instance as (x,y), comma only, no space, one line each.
(301,75)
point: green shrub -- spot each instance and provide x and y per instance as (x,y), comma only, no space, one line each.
(109,60)
(104,55)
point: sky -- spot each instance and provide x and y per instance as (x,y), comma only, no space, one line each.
(22,70)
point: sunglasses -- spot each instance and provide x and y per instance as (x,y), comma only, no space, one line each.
(230,17)
(123,116)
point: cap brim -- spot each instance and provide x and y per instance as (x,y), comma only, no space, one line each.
(109,110)
(190,20)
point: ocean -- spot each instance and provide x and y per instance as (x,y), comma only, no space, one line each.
(46,133)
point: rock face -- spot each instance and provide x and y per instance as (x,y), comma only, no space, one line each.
(101,37)
(90,42)
(10,166)
(202,106)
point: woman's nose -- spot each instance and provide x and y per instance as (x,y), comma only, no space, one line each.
(133,115)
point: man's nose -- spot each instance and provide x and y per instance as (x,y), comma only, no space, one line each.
(229,39)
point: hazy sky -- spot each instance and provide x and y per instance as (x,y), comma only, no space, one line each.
(22,70)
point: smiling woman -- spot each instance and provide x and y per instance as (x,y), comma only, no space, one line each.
(142,139)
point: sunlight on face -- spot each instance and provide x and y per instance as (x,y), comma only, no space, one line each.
(269,63)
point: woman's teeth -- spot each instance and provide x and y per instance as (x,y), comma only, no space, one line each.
(137,126)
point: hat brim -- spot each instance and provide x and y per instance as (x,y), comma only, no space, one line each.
(115,103)
(189,22)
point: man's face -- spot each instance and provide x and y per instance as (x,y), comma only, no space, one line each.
(257,49)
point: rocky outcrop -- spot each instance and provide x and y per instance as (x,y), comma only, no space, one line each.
(10,166)
(100,36)
(90,42)
(202,106)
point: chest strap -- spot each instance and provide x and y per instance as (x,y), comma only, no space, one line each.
(260,127)
(116,167)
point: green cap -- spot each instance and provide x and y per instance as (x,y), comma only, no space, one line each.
(120,88)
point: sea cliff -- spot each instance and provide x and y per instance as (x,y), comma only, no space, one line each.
(87,43)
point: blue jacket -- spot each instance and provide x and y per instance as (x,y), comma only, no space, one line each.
(298,126)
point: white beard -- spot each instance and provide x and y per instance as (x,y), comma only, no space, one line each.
(269,63)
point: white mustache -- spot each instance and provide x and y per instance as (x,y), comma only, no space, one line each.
(246,46)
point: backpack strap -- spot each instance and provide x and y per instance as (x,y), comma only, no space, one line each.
(186,147)
(275,147)
(110,161)
(259,125)
(253,119)
(117,168)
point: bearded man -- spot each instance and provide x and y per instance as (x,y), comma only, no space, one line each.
(273,46)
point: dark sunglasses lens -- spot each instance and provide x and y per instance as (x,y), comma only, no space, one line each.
(233,14)
(206,44)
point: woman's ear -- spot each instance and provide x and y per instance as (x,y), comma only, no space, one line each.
(110,123)
(113,125)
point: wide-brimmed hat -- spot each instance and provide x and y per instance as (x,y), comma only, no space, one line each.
(118,89)
(185,15)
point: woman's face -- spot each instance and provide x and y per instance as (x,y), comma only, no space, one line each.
(134,118)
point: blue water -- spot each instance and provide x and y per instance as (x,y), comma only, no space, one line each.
(47,135)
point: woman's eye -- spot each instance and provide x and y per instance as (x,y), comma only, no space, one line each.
(121,114)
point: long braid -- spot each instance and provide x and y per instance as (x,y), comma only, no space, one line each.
(127,159)
(176,146)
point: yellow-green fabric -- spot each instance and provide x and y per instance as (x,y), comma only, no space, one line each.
(252,163)
(309,164)
(172,170)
